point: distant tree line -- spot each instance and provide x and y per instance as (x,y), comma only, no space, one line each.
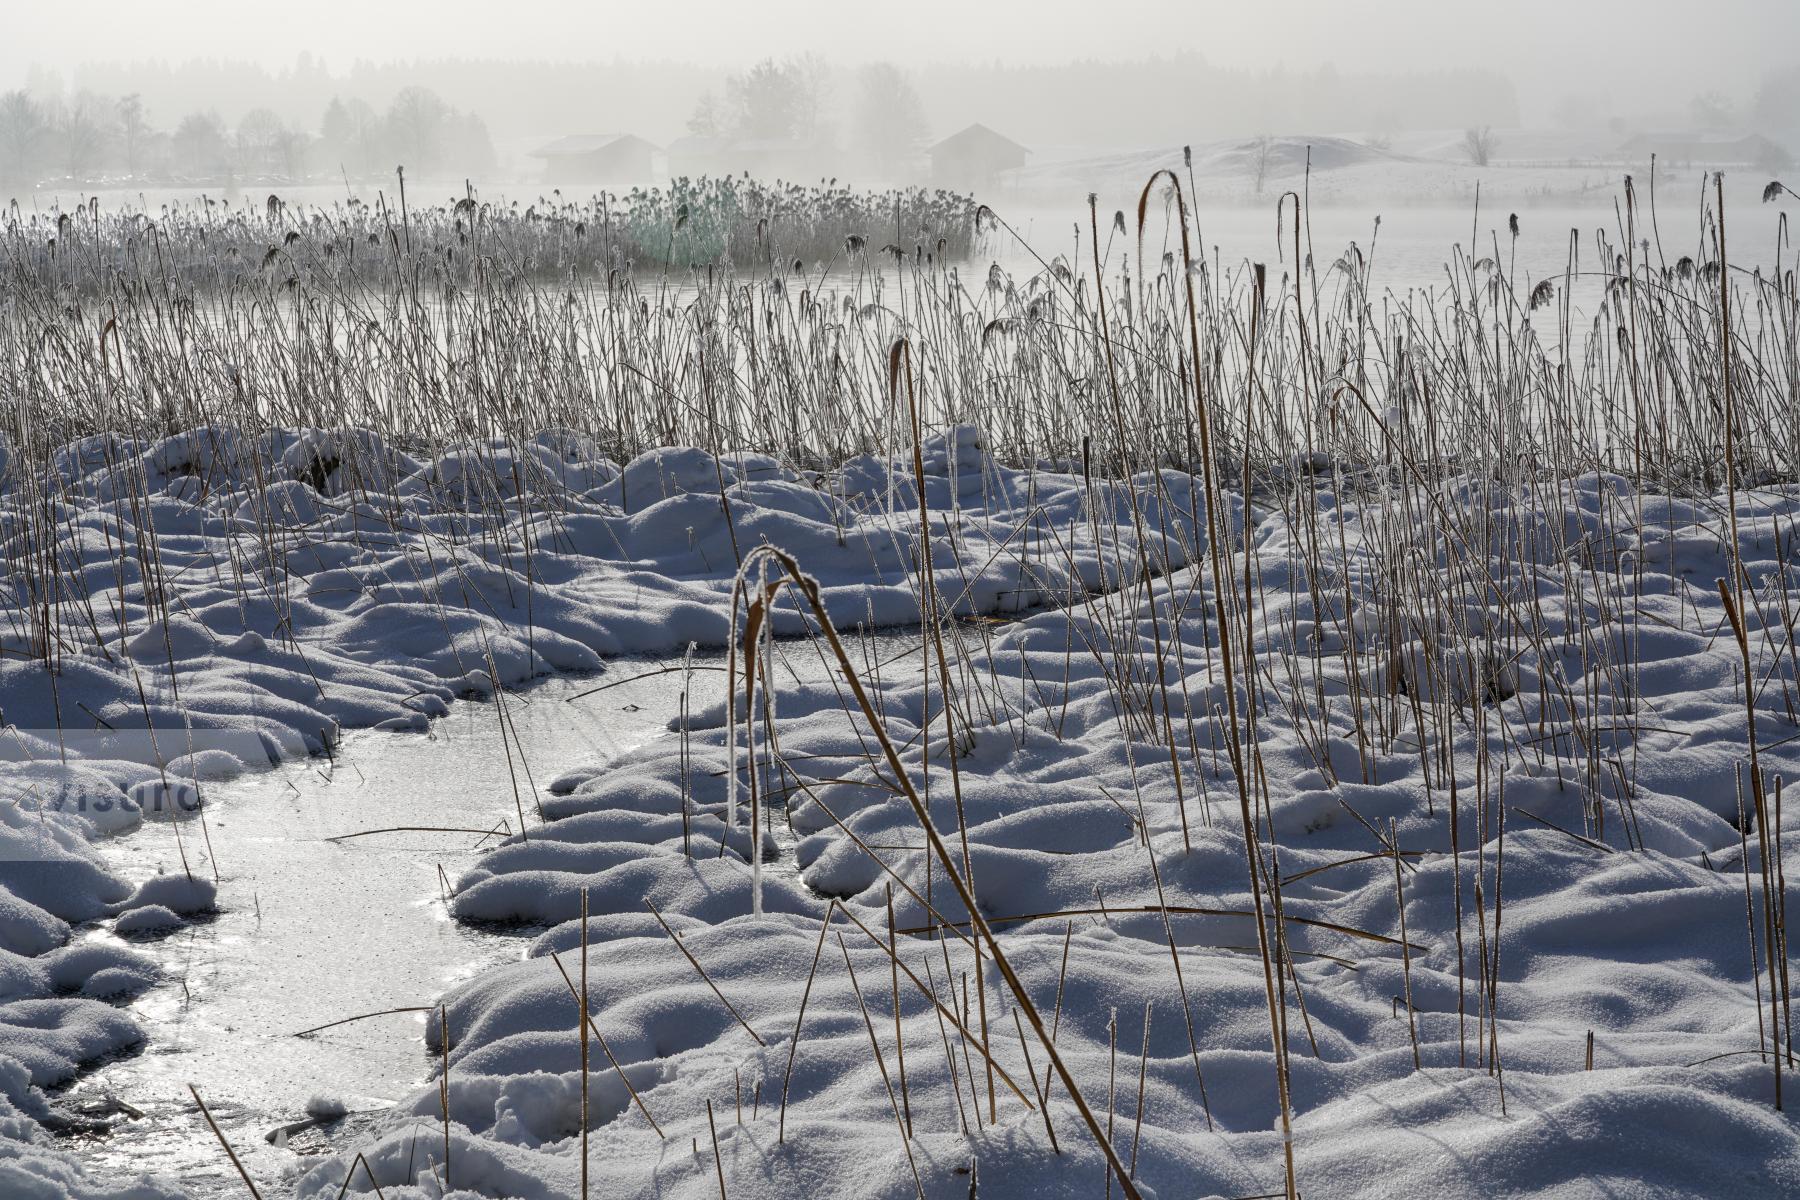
(789,101)
(212,120)
(1160,99)
(90,139)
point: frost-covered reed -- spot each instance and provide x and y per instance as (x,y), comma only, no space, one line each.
(772,328)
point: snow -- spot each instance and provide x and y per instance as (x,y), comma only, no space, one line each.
(1427,168)
(371,588)
(367,589)
(1645,948)
(326,1108)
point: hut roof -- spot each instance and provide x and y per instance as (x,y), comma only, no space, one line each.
(978,135)
(583,143)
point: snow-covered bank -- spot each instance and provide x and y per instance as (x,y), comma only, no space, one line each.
(1495,751)
(1365,175)
(185,610)
(1531,697)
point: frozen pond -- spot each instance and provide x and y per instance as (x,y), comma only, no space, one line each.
(316,927)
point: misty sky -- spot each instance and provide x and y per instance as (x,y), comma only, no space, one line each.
(1636,49)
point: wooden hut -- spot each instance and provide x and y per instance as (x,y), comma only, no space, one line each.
(975,157)
(1717,149)
(598,158)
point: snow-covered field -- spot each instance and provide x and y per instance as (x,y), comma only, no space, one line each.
(1431,169)
(1489,743)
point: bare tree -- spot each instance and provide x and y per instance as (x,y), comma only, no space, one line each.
(351,134)
(416,121)
(890,120)
(812,91)
(765,102)
(1262,151)
(259,136)
(468,145)
(291,147)
(134,127)
(200,146)
(774,101)
(709,119)
(22,130)
(1479,144)
(81,129)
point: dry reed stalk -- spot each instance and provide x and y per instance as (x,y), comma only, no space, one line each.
(930,602)
(1214,537)
(688,954)
(1759,809)
(1412,1023)
(485,833)
(893,950)
(594,1031)
(970,1036)
(1031,1074)
(949,1056)
(1743,827)
(386,1012)
(1137,1122)
(1175,958)
(224,1144)
(1112,1070)
(360,1161)
(787,1077)
(581,1031)
(718,1161)
(1781,942)
(444,1085)
(881,1062)
(1109,909)
(810,592)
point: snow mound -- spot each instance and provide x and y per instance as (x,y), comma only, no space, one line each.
(1624,893)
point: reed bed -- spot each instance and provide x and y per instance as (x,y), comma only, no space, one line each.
(211,245)
(442,328)
(438,325)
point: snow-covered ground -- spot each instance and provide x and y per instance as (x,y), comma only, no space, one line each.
(332,908)
(1426,169)
(1493,745)
(177,619)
